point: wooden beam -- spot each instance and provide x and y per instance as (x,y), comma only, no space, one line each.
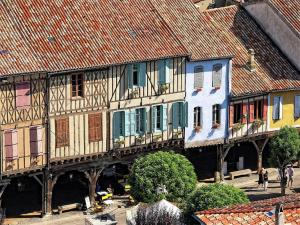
(38,180)
(2,190)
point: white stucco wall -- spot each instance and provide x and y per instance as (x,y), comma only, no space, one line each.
(206,98)
(277,29)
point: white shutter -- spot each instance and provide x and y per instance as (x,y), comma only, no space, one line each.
(198,77)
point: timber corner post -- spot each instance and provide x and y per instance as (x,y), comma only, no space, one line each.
(92,175)
(50,181)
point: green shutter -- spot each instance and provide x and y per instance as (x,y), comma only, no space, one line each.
(167,73)
(132,122)
(142,74)
(164,117)
(186,116)
(127,123)
(129,75)
(175,110)
(161,72)
(116,125)
(153,112)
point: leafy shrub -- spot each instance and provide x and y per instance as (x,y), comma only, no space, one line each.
(214,196)
(162,169)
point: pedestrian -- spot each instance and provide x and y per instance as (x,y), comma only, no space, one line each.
(266,179)
(290,173)
(260,178)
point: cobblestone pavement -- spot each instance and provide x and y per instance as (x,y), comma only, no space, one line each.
(248,184)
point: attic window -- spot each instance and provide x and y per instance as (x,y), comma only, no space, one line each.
(132,33)
(51,39)
(3,52)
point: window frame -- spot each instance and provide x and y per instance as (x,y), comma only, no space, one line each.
(216,115)
(77,90)
(280,99)
(215,72)
(97,135)
(197,117)
(139,123)
(25,95)
(258,110)
(158,117)
(237,117)
(58,133)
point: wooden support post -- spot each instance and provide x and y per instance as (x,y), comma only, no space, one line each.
(48,187)
(222,155)
(259,148)
(92,176)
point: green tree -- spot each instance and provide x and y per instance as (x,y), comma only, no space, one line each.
(214,196)
(284,148)
(162,175)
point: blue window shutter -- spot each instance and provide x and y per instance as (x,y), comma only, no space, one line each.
(132,122)
(164,116)
(142,74)
(175,110)
(167,70)
(129,75)
(116,125)
(144,119)
(127,123)
(153,112)
(161,72)
(186,116)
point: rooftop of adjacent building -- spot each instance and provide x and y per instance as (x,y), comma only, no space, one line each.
(253,213)
(273,71)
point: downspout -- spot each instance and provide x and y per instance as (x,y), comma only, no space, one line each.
(228,92)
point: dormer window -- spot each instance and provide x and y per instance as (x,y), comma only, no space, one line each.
(77,85)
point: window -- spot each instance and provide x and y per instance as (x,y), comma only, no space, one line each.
(140,120)
(136,75)
(198,77)
(237,116)
(11,144)
(23,95)
(62,132)
(217,76)
(197,117)
(77,85)
(277,108)
(216,115)
(159,118)
(95,127)
(36,145)
(258,109)
(119,124)
(164,71)
(297,106)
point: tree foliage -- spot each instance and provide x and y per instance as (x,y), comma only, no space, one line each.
(284,147)
(214,196)
(160,169)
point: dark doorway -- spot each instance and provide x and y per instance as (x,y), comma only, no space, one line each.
(204,160)
(72,187)
(22,198)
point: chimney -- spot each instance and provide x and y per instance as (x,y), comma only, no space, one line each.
(251,60)
(279,215)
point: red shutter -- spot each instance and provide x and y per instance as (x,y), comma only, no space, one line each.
(11,144)
(62,132)
(245,112)
(23,95)
(251,112)
(265,109)
(231,115)
(95,127)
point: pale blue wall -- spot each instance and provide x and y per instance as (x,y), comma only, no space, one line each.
(206,99)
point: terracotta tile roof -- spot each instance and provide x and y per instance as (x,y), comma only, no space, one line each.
(254,212)
(290,12)
(15,55)
(193,29)
(66,35)
(273,71)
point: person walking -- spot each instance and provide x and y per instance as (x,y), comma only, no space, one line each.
(266,180)
(260,178)
(290,173)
